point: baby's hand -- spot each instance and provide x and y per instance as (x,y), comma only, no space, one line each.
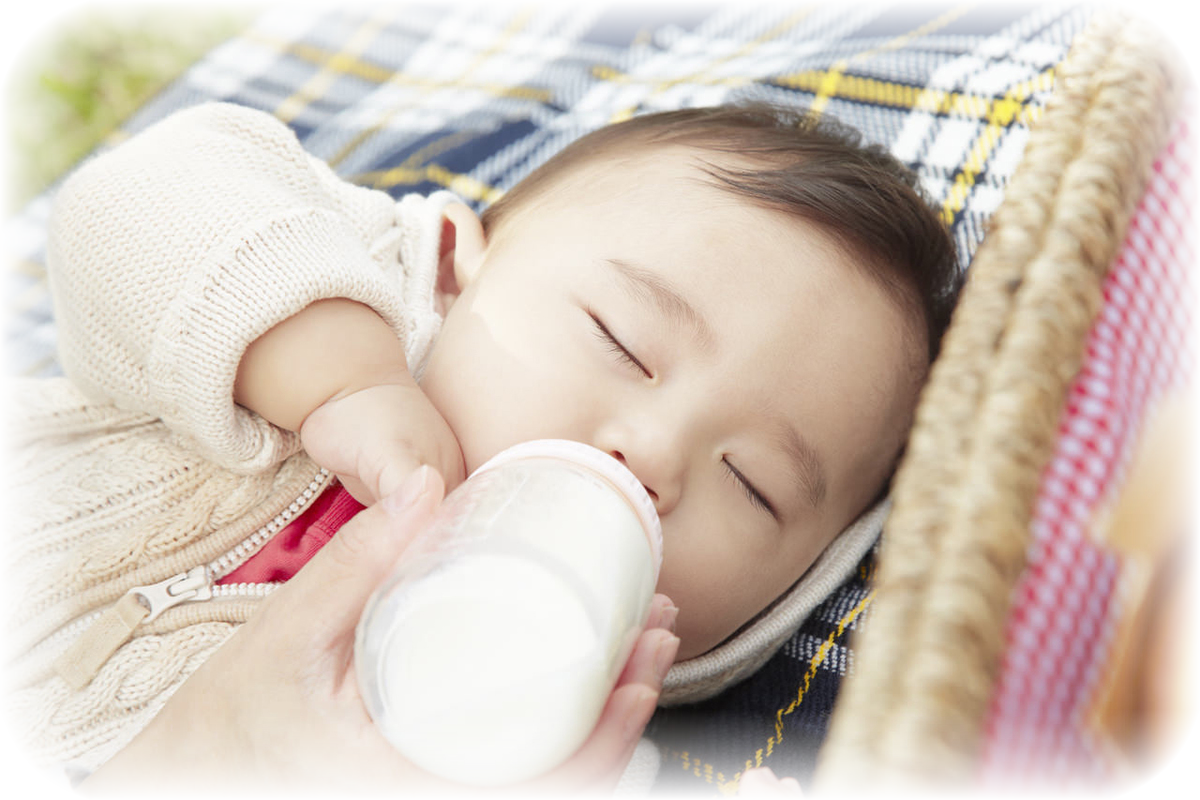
(374,438)
(762,785)
(335,372)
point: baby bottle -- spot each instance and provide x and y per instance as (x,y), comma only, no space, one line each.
(489,653)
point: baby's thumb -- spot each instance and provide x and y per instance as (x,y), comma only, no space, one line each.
(362,553)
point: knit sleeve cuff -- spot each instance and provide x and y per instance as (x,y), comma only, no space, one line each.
(243,289)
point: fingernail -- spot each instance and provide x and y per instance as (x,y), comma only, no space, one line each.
(670,615)
(414,486)
(664,656)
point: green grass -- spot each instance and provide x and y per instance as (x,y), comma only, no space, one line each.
(85,77)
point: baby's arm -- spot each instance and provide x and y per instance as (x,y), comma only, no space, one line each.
(336,373)
(174,252)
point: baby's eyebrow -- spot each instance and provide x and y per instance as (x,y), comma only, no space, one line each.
(645,285)
(807,468)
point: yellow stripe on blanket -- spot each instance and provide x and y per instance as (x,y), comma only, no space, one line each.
(729,786)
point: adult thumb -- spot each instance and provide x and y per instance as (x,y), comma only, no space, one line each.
(361,554)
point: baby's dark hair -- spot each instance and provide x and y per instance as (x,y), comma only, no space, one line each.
(801,163)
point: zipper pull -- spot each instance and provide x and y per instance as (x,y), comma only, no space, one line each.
(84,658)
(186,587)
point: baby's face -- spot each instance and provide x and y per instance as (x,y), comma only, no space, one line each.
(733,358)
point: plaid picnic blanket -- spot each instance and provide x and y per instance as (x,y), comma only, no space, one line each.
(472,97)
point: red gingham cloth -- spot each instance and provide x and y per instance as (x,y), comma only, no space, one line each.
(1066,604)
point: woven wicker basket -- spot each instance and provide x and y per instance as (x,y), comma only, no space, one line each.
(918,706)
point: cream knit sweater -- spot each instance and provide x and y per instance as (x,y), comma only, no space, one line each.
(168,256)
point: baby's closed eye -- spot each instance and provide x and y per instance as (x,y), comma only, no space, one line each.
(752,493)
(614,346)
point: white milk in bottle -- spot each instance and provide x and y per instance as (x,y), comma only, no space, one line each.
(488,655)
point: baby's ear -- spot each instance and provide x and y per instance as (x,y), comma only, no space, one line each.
(461,249)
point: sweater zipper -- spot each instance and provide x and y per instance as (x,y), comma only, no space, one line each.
(200,583)
(107,630)
(219,591)
(195,585)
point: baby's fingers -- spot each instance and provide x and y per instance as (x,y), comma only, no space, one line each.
(391,471)
(762,785)
(357,489)
(385,465)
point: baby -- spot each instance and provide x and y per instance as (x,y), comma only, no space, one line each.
(739,303)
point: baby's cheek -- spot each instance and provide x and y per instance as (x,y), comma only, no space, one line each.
(702,601)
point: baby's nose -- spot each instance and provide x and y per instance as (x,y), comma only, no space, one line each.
(619,456)
(662,503)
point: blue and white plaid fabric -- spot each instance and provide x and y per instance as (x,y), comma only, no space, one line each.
(473,97)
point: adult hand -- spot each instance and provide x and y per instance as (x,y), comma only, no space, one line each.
(278,708)
(762,785)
